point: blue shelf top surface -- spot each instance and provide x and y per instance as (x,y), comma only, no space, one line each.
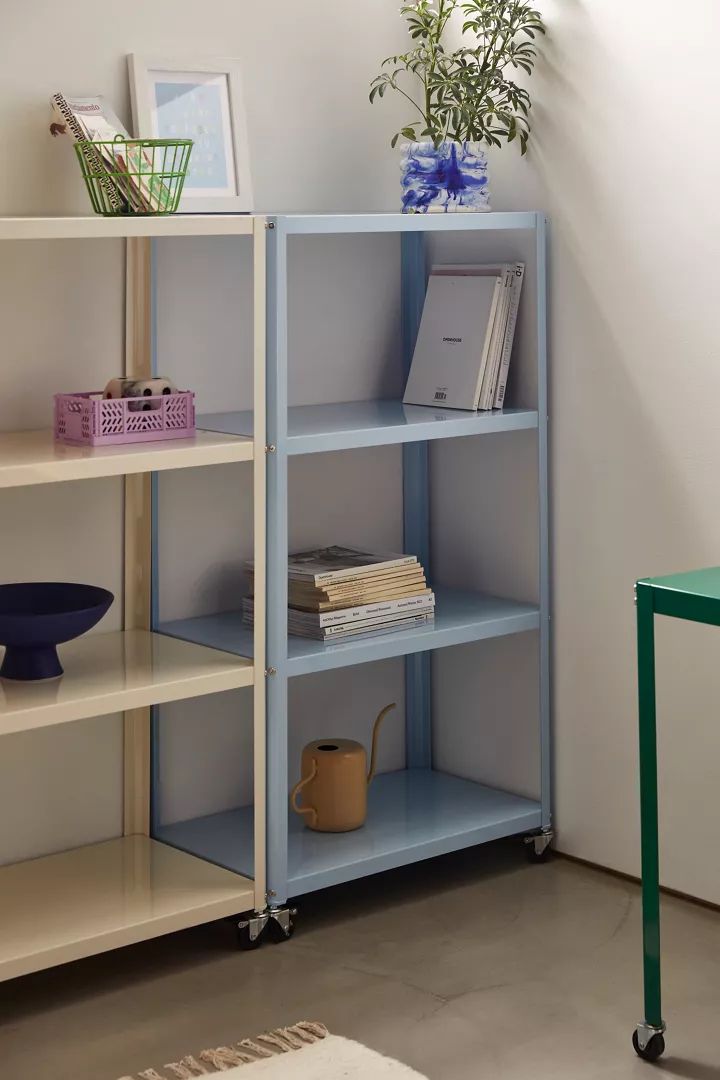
(412,815)
(349,424)
(460,617)
(399,222)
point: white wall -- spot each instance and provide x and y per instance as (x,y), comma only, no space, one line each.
(626,163)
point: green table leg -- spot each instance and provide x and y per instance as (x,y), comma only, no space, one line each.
(649,807)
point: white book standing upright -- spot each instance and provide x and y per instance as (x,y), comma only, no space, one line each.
(494,383)
(454,341)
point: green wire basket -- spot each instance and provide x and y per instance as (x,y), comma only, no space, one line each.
(134,176)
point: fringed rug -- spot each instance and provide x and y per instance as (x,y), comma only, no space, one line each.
(303,1052)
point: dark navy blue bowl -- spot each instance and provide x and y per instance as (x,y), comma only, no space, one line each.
(36,616)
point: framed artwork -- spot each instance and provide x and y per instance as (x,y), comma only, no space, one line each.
(200,100)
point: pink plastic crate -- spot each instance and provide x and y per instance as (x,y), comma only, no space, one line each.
(91,420)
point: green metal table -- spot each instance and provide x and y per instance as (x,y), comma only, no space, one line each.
(694,596)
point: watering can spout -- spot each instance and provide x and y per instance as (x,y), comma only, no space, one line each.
(376,731)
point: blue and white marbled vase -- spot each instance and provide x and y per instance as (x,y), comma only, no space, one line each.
(447,179)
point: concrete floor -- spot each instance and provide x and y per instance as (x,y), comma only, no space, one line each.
(476,966)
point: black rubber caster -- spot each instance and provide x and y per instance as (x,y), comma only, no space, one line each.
(278,933)
(245,942)
(534,856)
(654,1049)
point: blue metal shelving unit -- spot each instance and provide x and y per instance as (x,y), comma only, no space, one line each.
(419,812)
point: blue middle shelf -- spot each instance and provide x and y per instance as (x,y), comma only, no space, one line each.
(460,617)
(413,814)
(347,425)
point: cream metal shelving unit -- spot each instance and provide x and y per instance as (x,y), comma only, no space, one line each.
(73,904)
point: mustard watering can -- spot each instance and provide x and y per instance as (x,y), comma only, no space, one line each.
(334,783)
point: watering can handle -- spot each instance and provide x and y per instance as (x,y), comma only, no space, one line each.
(296,791)
(376,731)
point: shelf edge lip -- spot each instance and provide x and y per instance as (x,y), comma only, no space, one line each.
(300,884)
(240,673)
(429,431)
(462,426)
(389,222)
(385,648)
(98,227)
(237,449)
(138,699)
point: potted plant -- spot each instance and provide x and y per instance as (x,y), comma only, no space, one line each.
(465,100)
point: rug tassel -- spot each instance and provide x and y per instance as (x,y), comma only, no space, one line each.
(310,1030)
(187,1069)
(222,1058)
(268,1045)
(257,1052)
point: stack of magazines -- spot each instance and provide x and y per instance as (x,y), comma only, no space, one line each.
(339,592)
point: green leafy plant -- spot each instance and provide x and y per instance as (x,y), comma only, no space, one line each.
(465,95)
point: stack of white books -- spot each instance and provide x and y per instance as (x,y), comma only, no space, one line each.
(464,346)
(339,592)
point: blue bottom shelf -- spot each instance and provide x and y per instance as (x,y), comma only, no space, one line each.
(412,815)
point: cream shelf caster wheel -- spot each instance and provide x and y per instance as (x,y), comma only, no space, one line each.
(251,931)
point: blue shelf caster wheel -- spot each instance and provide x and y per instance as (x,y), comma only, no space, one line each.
(649,1043)
(280,925)
(274,924)
(537,846)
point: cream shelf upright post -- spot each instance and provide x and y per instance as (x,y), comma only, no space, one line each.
(77,903)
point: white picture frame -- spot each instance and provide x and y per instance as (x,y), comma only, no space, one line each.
(210,110)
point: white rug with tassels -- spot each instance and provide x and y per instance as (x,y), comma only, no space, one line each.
(303,1052)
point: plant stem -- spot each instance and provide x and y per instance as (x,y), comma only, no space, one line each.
(411,100)
(443,16)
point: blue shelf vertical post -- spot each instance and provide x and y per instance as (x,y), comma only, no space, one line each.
(416,508)
(544,521)
(277,563)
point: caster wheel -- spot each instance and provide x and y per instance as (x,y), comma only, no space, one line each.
(245,942)
(278,933)
(534,856)
(654,1049)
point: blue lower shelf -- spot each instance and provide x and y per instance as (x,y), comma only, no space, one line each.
(412,815)
(460,617)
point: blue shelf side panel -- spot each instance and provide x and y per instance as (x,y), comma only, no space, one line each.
(277,563)
(546,782)
(416,507)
